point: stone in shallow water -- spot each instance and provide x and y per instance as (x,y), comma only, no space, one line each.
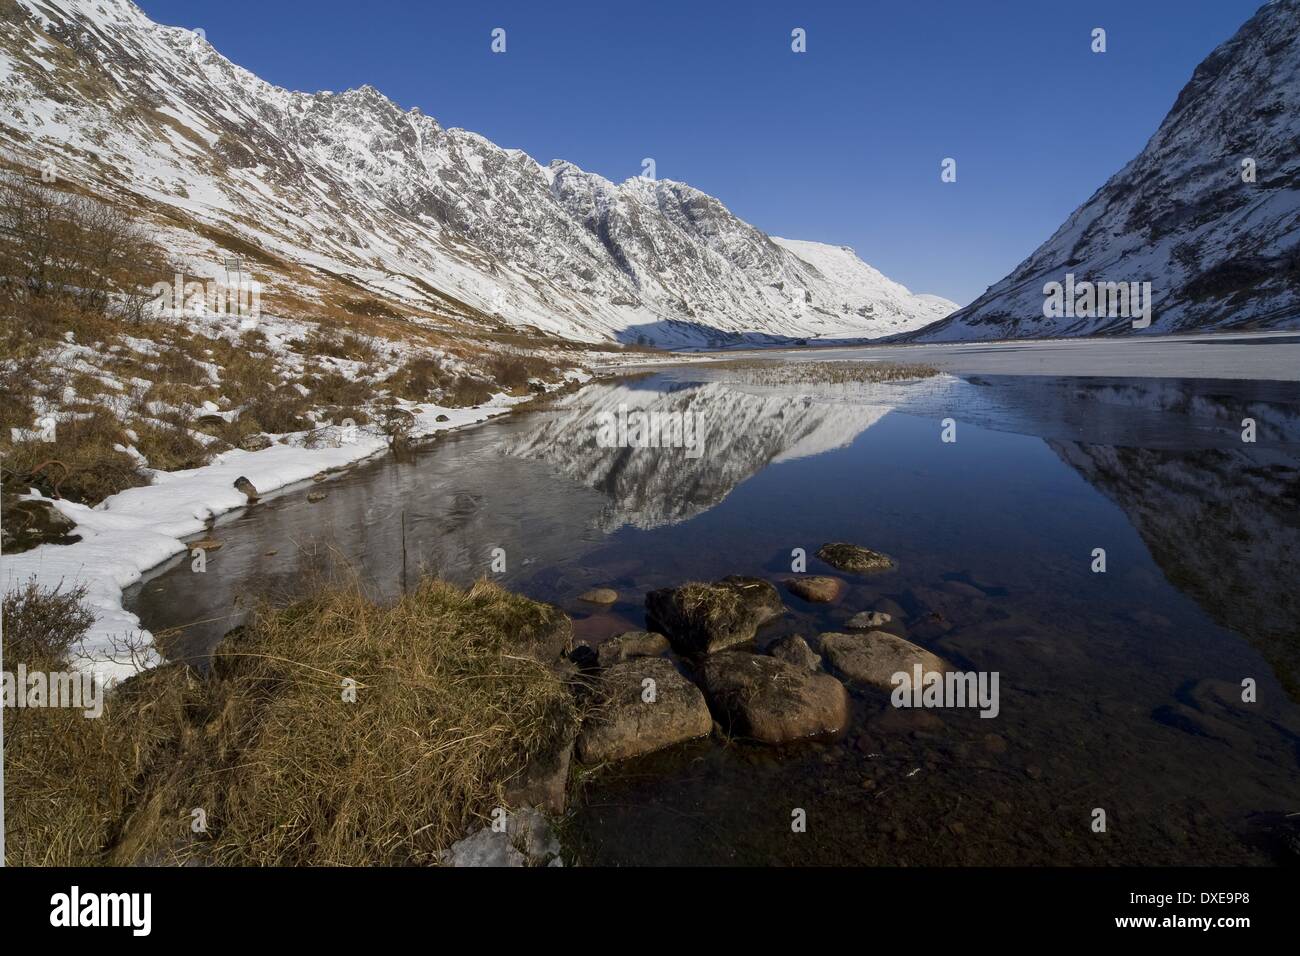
(599,596)
(527,840)
(772,700)
(873,658)
(704,618)
(852,557)
(820,588)
(632,717)
(868,620)
(795,650)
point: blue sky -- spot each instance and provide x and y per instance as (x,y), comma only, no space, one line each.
(841,144)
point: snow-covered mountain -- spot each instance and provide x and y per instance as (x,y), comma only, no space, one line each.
(442,221)
(1220,251)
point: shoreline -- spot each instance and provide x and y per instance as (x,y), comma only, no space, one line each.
(129,535)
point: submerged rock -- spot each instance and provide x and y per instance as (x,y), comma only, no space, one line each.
(704,618)
(772,700)
(527,840)
(873,658)
(599,596)
(868,620)
(795,650)
(851,557)
(631,644)
(642,704)
(820,588)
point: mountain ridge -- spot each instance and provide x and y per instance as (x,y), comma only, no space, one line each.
(353,184)
(1220,252)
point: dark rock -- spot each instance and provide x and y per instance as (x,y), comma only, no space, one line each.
(771,700)
(624,723)
(851,557)
(704,618)
(795,650)
(242,484)
(32,522)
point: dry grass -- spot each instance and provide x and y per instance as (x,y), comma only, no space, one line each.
(450,702)
(81,464)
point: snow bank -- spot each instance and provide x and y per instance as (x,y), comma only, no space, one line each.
(129,533)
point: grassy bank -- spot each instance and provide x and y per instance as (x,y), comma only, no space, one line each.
(333,731)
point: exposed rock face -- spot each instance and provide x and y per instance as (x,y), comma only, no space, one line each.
(631,717)
(631,644)
(795,650)
(440,219)
(818,588)
(704,618)
(1220,252)
(854,558)
(873,658)
(771,700)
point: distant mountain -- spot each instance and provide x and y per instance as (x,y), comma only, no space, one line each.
(1220,253)
(350,186)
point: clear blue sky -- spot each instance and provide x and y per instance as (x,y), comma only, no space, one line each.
(841,144)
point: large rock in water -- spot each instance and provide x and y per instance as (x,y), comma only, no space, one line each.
(852,557)
(818,588)
(771,700)
(875,657)
(703,618)
(627,721)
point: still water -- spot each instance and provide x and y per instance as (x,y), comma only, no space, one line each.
(1119,691)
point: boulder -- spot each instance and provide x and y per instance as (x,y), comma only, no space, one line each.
(626,720)
(795,650)
(819,588)
(851,557)
(631,644)
(772,700)
(874,657)
(704,618)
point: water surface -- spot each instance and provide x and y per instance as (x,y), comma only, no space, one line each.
(1119,690)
